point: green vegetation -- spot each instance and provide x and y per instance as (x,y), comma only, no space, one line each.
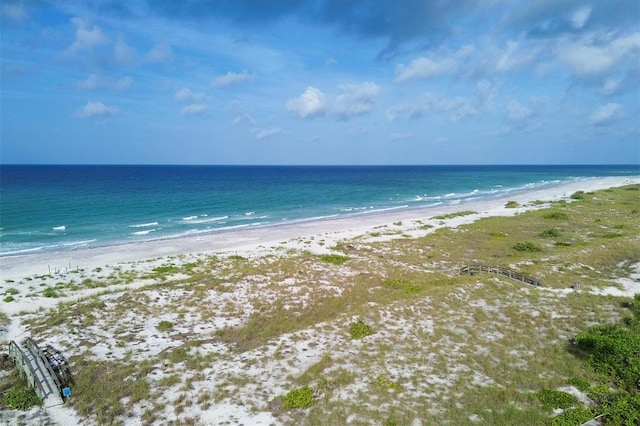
(21,398)
(8,299)
(550,233)
(512,204)
(164,325)
(526,246)
(552,399)
(299,398)
(335,259)
(360,329)
(454,215)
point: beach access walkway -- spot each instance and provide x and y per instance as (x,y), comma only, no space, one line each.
(36,366)
(499,270)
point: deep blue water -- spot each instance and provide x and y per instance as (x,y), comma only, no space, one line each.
(70,207)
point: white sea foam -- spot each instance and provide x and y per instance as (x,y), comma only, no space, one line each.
(59,228)
(206,219)
(144,225)
(144,232)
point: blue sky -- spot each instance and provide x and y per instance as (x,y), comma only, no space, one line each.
(320,82)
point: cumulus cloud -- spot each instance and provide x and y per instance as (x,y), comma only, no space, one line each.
(194,109)
(187,95)
(267,133)
(350,101)
(95,109)
(593,56)
(606,115)
(232,78)
(579,17)
(423,68)
(308,105)
(87,36)
(356,99)
(457,108)
(160,53)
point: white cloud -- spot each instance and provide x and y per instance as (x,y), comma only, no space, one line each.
(232,78)
(194,109)
(160,53)
(267,133)
(423,68)
(87,36)
(124,83)
(308,105)
(92,82)
(606,115)
(458,108)
(579,17)
(123,53)
(186,95)
(591,56)
(95,109)
(353,100)
(517,112)
(356,99)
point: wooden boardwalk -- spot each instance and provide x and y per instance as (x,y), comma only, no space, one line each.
(499,270)
(34,365)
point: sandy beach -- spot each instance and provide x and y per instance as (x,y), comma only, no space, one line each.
(263,369)
(260,240)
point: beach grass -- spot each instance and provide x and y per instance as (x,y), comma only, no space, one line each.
(431,344)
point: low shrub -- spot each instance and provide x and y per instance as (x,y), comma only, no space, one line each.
(360,329)
(335,259)
(551,399)
(9,299)
(526,246)
(512,205)
(550,233)
(299,398)
(164,325)
(556,215)
(21,398)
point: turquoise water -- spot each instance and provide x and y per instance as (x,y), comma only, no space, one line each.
(53,208)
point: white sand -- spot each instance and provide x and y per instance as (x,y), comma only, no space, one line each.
(257,241)
(304,348)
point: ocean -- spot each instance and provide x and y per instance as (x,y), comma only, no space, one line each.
(59,208)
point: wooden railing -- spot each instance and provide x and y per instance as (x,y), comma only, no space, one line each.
(499,270)
(34,364)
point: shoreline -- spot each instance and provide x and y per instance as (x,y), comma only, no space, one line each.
(250,241)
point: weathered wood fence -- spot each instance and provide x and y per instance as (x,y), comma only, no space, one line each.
(499,270)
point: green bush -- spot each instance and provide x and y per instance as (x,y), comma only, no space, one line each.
(556,215)
(21,398)
(550,233)
(164,325)
(580,383)
(526,246)
(512,204)
(299,398)
(50,292)
(551,399)
(360,329)
(579,195)
(9,299)
(335,259)
(572,417)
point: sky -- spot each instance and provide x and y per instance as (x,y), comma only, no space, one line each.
(284,82)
